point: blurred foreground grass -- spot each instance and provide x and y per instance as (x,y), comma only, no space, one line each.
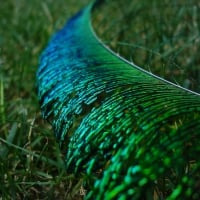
(31,166)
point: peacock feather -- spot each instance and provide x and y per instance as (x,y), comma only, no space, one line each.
(136,135)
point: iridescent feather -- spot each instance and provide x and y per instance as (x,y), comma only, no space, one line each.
(110,115)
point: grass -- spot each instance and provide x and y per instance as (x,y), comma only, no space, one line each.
(31,165)
(30,162)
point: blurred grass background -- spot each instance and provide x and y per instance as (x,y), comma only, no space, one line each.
(163,39)
(31,166)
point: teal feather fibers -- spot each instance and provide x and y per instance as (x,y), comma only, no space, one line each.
(110,115)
